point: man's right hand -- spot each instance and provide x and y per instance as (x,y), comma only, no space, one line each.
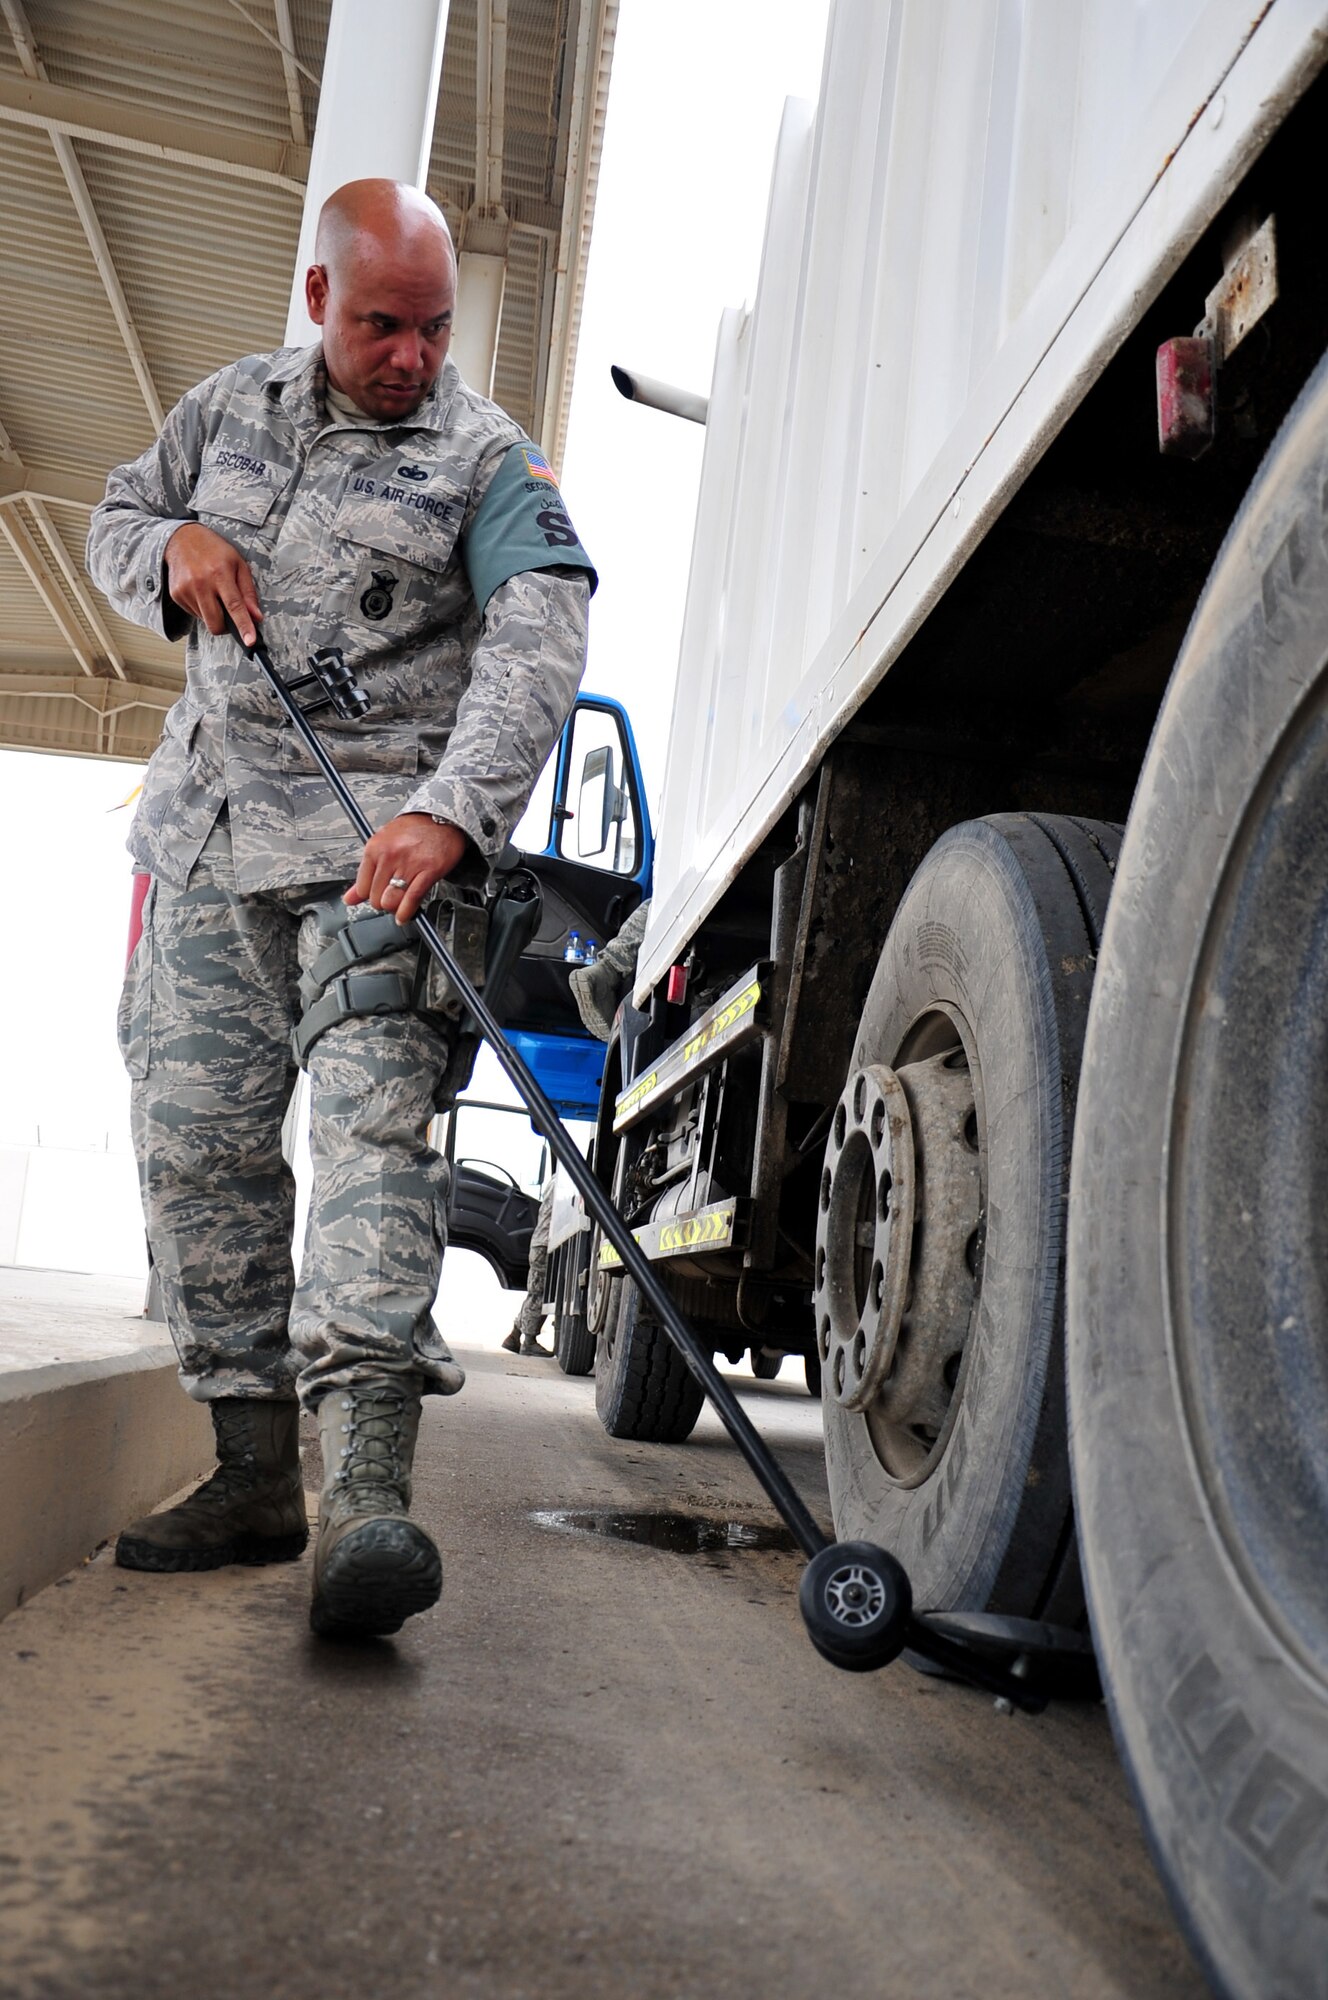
(210,580)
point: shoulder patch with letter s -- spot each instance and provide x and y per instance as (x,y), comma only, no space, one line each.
(522,523)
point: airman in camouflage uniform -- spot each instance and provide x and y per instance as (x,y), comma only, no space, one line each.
(524,1337)
(355,492)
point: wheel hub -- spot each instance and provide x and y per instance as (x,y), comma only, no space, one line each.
(898,1249)
(862,1236)
(854,1596)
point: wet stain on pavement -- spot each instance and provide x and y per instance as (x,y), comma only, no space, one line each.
(680,1534)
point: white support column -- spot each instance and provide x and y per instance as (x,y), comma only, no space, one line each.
(479,309)
(376,113)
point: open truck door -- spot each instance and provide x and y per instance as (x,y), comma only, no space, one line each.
(593,865)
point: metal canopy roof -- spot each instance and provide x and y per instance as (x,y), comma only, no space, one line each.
(152,162)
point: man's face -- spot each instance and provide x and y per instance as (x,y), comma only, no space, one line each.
(387,321)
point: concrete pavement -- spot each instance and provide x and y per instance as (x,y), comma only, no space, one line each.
(597,1769)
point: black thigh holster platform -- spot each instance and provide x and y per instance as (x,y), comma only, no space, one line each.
(350,978)
(352,975)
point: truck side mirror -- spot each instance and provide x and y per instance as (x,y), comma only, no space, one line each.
(597,805)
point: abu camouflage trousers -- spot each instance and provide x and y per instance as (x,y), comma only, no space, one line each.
(531,1316)
(211,997)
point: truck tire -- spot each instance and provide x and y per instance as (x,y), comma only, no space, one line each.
(643,1387)
(574,1344)
(1198,1355)
(951,1450)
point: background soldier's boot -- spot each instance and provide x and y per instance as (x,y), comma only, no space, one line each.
(250,1511)
(373,1568)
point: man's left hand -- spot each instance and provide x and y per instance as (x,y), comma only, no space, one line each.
(415,850)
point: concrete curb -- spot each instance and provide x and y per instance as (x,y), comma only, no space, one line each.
(84,1447)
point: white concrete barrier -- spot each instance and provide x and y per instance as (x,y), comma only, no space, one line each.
(85,1446)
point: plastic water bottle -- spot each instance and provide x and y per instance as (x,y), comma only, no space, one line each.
(572,953)
(591,952)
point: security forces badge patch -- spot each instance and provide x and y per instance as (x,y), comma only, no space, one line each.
(376,601)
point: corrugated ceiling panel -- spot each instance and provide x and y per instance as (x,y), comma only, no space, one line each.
(68,396)
(193,316)
(23,514)
(29,636)
(149,658)
(193,58)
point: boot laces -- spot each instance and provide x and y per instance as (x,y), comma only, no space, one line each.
(370,1459)
(236,1472)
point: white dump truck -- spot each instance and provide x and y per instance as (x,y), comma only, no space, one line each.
(978,1051)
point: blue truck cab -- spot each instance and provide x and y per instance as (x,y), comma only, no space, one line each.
(593,868)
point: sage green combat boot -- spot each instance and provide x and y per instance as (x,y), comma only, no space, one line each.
(373,1567)
(250,1511)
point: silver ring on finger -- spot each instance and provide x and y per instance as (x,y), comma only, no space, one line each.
(397,882)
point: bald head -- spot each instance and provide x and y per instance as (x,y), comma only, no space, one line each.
(382,290)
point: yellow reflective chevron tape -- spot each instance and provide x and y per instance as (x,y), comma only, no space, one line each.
(631,1098)
(672,1069)
(609,1256)
(742,1004)
(695,1231)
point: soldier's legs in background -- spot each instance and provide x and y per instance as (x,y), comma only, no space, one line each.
(531,1317)
(524,1337)
(206,1027)
(377,1215)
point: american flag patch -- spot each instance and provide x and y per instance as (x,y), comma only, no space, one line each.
(538,466)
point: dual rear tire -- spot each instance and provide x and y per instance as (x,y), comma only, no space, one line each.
(643,1387)
(949,1447)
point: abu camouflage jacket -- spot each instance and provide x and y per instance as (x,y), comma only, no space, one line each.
(437,554)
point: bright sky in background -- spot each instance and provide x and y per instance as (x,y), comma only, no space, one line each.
(697,92)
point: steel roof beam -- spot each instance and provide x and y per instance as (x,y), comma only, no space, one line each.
(290,70)
(17,533)
(100,695)
(490,99)
(100,708)
(77,587)
(44,482)
(246,156)
(106,271)
(595,22)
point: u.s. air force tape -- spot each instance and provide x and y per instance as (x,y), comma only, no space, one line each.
(521,523)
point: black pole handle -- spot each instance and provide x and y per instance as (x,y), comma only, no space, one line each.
(806,1531)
